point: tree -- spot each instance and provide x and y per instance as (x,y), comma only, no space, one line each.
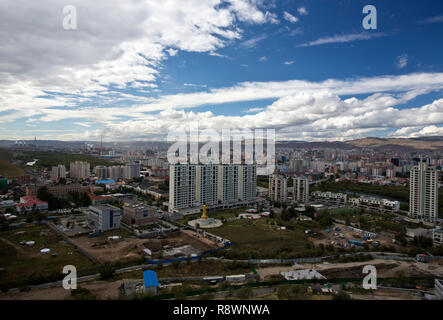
(285,215)
(341,296)
(423,242)
(29,217)
(107,271)
(175,264)
(244,293)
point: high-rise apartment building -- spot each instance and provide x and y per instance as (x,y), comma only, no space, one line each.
(181,186)
(423,192)
(115,172)
(228,183)
(278,188)
(101,172)
(58,172)
(206,184)
(247,182)
(79,170)
(220,185)
(131,171)
(301,189)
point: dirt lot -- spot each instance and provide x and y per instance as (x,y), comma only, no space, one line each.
(386,294)
(105,250)
(100,289)
(385,269)
(349,234)
(26,263)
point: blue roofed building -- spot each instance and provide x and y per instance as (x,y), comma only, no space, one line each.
(150,281)
(105,181)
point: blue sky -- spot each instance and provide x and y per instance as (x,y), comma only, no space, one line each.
(305,68)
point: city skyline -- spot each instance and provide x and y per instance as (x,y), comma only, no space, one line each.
(137,70)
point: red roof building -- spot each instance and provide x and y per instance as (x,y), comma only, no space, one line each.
(27,203)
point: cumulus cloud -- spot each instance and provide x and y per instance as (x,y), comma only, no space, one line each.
(319,115)
(119,44)
(302,11)
(416,132)
(48,74)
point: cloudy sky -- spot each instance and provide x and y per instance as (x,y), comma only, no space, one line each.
(136,69)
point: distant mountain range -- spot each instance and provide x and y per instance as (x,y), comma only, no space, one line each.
(405,144)
(397,144)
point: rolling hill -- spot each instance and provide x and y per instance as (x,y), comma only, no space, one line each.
(10,171)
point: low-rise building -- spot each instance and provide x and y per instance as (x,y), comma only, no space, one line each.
(6,204)
(99,199)
(104,217)
(329,198)
(28,203)
(150,282)
(374,204)
(139,214)
(157,193)
(437,237)
(124,197)
(59,191)
(418,232)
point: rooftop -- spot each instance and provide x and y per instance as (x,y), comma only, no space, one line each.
(150,278)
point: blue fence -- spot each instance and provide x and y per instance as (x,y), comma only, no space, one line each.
(228,244)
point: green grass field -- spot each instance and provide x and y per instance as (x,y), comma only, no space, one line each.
(10,171)
(220,214)
(258,239)
(5,155)
(26,265)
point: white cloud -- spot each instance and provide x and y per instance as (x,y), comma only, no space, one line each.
(289,17)
(172,52)
(263,59)
(302,11)
(195,85)
(312,111)
(342,38)
(435,19)
(83,124)
(415,132)
(121,44)
(253,110)
(252,43)
(289,62)
(401,61)
(319,115)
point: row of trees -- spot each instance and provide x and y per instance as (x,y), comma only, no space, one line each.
(54,203)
